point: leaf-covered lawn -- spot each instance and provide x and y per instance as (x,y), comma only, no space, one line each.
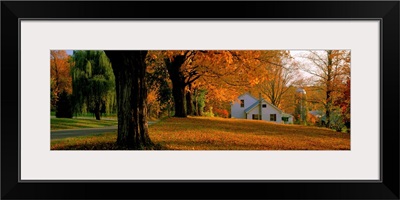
(73,123)
(201,133)
(238,134)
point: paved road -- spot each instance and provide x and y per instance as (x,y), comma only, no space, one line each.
(60,134)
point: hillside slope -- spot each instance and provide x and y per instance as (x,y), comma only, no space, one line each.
(201,133)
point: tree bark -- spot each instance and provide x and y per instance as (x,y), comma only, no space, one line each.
(178,84)
(129,69)
(142,100)
(328,108)
(97,111)
(178,92)
(328,105)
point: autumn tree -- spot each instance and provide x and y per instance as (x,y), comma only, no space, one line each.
(343,102)
(160,98)
(331,67)
(199,101)
(281,72)
(242,71)
(239,68)
(60,79)
(175,61)
(93,83)
(129,68)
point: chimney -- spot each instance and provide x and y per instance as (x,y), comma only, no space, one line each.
(260,107)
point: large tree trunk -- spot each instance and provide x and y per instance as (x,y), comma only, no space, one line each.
(329,85)
(178,84)
(328,108)
(142,100)
(129,69)
(97,110)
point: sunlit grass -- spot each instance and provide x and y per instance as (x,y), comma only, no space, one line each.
(237,134)
(89,115)
(201,133)
(73,123)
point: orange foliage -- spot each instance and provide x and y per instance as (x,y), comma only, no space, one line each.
(60,72)
(225,74)
(221,112)
(312,118)
(60,78)
(153,106)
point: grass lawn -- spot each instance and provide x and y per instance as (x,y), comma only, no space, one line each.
(203,133)
(73,123)
(91,115)
(104,141)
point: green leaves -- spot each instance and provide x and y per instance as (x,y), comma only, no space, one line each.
(93,82)
(88,69)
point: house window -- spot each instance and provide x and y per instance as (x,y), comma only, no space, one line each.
(255,116)
(272,117)
(264,105)
(285,119)
(241,103)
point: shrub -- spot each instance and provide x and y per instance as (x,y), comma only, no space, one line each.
(208,114)
(337,122)
(221,113)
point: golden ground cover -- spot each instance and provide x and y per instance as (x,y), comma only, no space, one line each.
(200,133)
(203,133)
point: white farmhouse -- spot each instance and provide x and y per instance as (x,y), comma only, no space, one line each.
(249,107)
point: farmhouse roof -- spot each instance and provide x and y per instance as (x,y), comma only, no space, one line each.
(247,110)
(249,95)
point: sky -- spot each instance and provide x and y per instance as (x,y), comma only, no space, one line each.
(69,52)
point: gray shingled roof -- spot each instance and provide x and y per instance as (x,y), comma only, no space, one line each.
(247,110)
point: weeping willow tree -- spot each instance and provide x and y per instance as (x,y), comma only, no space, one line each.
(93,83)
